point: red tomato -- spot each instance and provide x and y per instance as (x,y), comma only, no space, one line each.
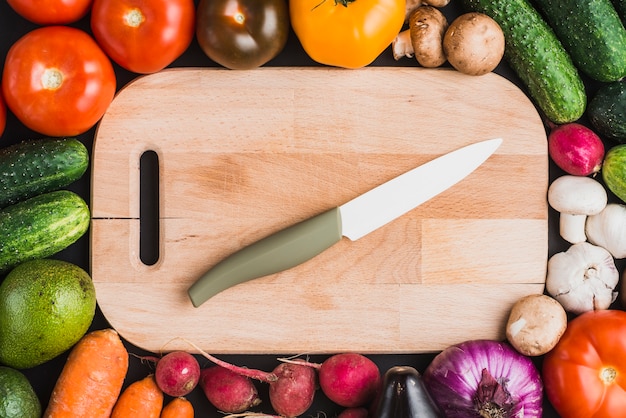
(143,36)
(51,12)
(585,374)
(3,115)
(57,81)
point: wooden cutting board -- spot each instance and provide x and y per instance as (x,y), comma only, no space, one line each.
(245,153)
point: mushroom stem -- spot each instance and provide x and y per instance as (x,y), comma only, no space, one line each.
(402,45)
(410,6)
(572,227)
(575,198)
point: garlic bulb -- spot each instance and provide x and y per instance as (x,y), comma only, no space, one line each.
(583,278)
(607,229)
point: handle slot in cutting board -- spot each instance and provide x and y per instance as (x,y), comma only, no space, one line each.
(149,224)
(242,154)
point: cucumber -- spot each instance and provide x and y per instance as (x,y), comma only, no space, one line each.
(41,226)
(607,110)
(38,166)
(593,34)
(614,171)
(538,58)
(620,7)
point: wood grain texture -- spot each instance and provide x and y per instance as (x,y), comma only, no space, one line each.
(245,153)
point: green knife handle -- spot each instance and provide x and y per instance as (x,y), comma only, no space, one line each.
(281,251)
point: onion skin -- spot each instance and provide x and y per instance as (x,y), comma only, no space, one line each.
(453,380)
(576,149)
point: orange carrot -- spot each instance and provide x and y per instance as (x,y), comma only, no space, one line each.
(178,408)
(91,379)
(142,399)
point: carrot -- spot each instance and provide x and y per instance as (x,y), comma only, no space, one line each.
(142,398)
(91,379)
(178,408)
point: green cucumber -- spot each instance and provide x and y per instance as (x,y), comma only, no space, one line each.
(38,166)
(41,226)
(614,171)
(593,34)
(538,58)
(620,7)
(607,110)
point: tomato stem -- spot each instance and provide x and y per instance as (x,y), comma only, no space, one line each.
(608,375)
(51,79)
(134,18)
(239,18)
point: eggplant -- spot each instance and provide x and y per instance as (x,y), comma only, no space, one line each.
(404,395)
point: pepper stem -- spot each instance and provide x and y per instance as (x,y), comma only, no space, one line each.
(344,3)
(492,400)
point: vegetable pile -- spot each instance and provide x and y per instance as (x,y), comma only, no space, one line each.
(563,350)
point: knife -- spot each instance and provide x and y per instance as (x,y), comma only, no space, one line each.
(358,217)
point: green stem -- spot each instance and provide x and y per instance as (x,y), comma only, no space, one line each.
(344,3)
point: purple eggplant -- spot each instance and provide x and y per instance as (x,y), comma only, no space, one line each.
(405,396)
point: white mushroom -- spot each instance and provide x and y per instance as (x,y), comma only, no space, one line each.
(576,197)
(583,278)
(608,229)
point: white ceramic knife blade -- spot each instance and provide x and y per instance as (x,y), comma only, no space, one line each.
(390,200)
(384,203)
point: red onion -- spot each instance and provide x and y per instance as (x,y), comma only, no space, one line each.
(484,378)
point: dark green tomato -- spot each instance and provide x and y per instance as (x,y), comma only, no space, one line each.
(242,34)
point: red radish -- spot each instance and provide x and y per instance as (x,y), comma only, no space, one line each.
(292,393)
(576,149)
(177,373)
(348,379)
(292,386)
(359,412)
(228,391)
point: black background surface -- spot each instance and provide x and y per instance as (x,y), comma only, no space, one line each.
(43,377)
